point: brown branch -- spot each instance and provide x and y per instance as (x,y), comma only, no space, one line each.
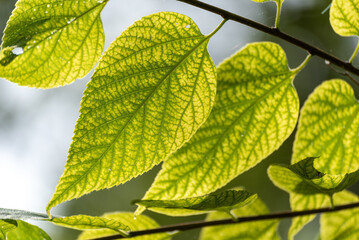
(201,224)
(275,32)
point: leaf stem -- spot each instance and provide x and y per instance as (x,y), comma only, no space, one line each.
(217,28)
(302,65)
(274,32)
(277,17)
(354,54)
(201,224)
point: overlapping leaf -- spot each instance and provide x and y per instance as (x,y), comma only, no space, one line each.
(222,201)
(260,230)
(256,109)
(134,222)
(26,231)
(153,88)
(303,178)
(50,43)
(329,129)
(344,17)
(83,222)
(342,225)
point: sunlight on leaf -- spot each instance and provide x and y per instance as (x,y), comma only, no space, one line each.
(153,88)
(222,201)
(27,231)
(260,230)
(57,41)
(329,129)
(129,219)
(83,222)
(256,109)
(342,225)
(344,17)
(6,225)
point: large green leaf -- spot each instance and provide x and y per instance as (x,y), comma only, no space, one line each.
(134,222)
(344,17)
(83,222)
(222,201)
(329,129)
(27,231)
(50,43)
(259,230)
(256,109)
(6,225)
(153,88)
(342,225)
(303,178)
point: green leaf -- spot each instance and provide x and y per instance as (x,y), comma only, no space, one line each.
(223,201)
(27,231)
(256,109)
(342,225)
(134,222)
(153,88)
(329,129)
(57,41)
(83,222)
(259,230)
(15,214)
(6,225)
(344,17)
(303,178)
(301,202)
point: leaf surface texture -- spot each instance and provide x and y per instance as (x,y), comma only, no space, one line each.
(344,17)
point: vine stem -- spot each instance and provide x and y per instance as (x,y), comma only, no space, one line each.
(201,224)
(275,32)
(277,17)
(354,53)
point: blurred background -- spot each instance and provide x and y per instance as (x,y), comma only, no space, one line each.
(36,126)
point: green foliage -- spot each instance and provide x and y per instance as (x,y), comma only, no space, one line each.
(263,230)
(222,201)
(147,98)
(26,231)
(256,109)
(83,222)
(140,222)
(344,17)
(58,41)
(6,225)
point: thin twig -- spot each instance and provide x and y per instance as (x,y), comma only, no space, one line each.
(201,224)
(275,32)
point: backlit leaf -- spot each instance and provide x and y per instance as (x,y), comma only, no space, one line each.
(344,17)
(256,109)
(329,129)
(259,230)
(83,222)
(303,178)
(342,225)
(134,222)
(222,201)
(6,225)
(27,231)
(153,88)
(50,43)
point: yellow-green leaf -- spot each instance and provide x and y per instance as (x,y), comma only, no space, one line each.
(260,230)
(256,109)
(134,222)
(222,201)
(50,43)
(303,178)
(344,17)
(26,231)
(329,129)
(342,225)
(83,222)
(153,88)
(6,225)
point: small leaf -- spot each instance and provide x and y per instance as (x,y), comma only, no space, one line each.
(134,222)
(83,222)
(260,230)
(6,225)
(27,231)
(16,214)
(223,201)
(59,40)
(256,109)
(329,129)
(153,88)
(344,17)
(303,178)
(342,225)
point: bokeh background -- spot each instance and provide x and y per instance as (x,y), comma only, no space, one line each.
(36,126)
